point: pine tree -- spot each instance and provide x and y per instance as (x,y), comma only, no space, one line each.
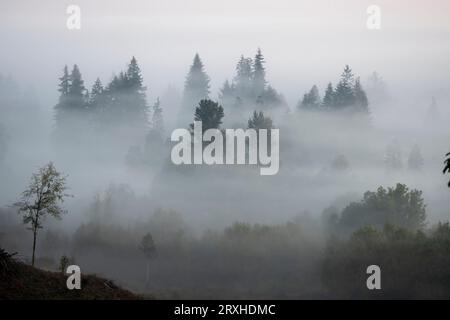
(311,100)
(124,102)
(329,97)
(157,118)
(76,88)
(210,113)
(196,88)
(133,76)
(72,103)
(244,78)
(344,91)
(259,74)
(259,121)
(64,84)
(361,101)
(97,90)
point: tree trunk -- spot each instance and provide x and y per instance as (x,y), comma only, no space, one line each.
(147,274)
(34,238)
(34,245)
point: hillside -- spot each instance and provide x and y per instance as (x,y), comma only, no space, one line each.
(21,281)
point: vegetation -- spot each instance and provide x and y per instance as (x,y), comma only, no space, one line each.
(42,198)
(348,95)
(447,166)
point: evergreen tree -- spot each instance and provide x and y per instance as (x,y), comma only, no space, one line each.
(124,102)
(72,103)
(259,121)
(259,74)
(210,113)
(311,100)
(361,101)
(64,83)
(97,90)
(244,78)
(133,76)
(76,89)
(329,97)
(157,118)
(226,95)
(196,88)
(415,159)
(344,95)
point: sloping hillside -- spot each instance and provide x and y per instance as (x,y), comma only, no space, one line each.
(21,281)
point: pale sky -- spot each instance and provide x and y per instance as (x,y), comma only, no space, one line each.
(304,42)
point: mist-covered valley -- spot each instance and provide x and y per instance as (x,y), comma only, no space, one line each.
(360,182)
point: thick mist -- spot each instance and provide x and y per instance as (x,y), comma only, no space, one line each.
(220,231)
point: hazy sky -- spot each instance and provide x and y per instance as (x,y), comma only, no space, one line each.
(304,42)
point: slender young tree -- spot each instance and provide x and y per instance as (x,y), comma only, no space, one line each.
(43,196)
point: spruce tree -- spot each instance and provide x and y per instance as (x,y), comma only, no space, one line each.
(311,100)
(196,88)
(361,101)
(97,90)
(64,83)
(157,118)
(259,74)
(69,112)
(76,88)
(134,77)
(344,91)
(244,78)
(210,113)
(329,98)
(259,121)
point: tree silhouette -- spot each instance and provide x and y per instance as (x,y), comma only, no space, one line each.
(147,246)
(447,166)
(42,197)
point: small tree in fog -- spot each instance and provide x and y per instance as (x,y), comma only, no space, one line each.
(147,246)
(42,197)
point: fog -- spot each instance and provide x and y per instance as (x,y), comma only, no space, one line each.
(219,230)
